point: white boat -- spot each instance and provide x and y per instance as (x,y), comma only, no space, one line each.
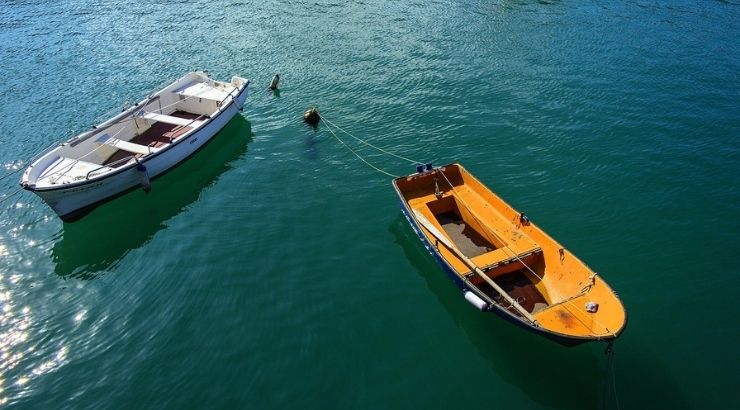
(140,143)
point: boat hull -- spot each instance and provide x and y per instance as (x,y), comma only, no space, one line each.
(76,200)
(418,194)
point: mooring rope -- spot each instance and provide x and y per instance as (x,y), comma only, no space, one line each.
(329,124)
(355,153)
(11,195)
(11,173)
(369,144)
(610,384)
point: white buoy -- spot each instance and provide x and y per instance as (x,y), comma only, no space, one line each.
(274,82)
(475,300)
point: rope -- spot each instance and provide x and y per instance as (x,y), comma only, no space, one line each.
(369,144)
(15,171)
(11,195)
(610,384)
(355,153)
(9,174)
(43,152)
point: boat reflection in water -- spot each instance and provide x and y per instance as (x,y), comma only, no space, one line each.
(101,239)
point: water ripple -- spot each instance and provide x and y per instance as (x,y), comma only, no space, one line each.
(611,124)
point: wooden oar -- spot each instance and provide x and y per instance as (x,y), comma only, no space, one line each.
(440,237)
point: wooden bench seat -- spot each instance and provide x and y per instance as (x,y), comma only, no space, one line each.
(203,91)
(168,119)
(503,260)
(125,145)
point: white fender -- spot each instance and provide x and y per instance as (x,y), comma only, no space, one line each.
(475,300)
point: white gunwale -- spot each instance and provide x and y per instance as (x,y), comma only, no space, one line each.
(101,163)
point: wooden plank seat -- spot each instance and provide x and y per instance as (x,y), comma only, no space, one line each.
(169,119)
(503,260)
(203,91)
(125,145)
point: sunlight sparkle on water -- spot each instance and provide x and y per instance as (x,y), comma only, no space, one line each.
(79,317)
(15,349)
(53,363)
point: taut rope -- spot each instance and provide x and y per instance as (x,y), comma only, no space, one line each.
(369,144)
(610,383)
(355,153)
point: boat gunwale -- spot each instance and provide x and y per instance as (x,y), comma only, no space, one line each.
(101,177)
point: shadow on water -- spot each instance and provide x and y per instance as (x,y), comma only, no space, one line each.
(550,374)
(312,141)
(98,241)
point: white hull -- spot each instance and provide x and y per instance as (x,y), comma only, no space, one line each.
(68,198)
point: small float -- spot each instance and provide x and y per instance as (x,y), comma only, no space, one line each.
(503,262)
(138,144)
(312,116)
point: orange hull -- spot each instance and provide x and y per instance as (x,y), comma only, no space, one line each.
(509,265)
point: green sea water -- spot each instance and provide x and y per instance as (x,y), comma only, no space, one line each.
(274,269)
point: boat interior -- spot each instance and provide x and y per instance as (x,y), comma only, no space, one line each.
(547,282)
(512,267)
(160,121)
(163,131)
(144,129)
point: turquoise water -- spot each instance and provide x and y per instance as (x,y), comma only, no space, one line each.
(274,269)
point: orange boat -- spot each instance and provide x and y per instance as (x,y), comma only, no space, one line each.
(503,262)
